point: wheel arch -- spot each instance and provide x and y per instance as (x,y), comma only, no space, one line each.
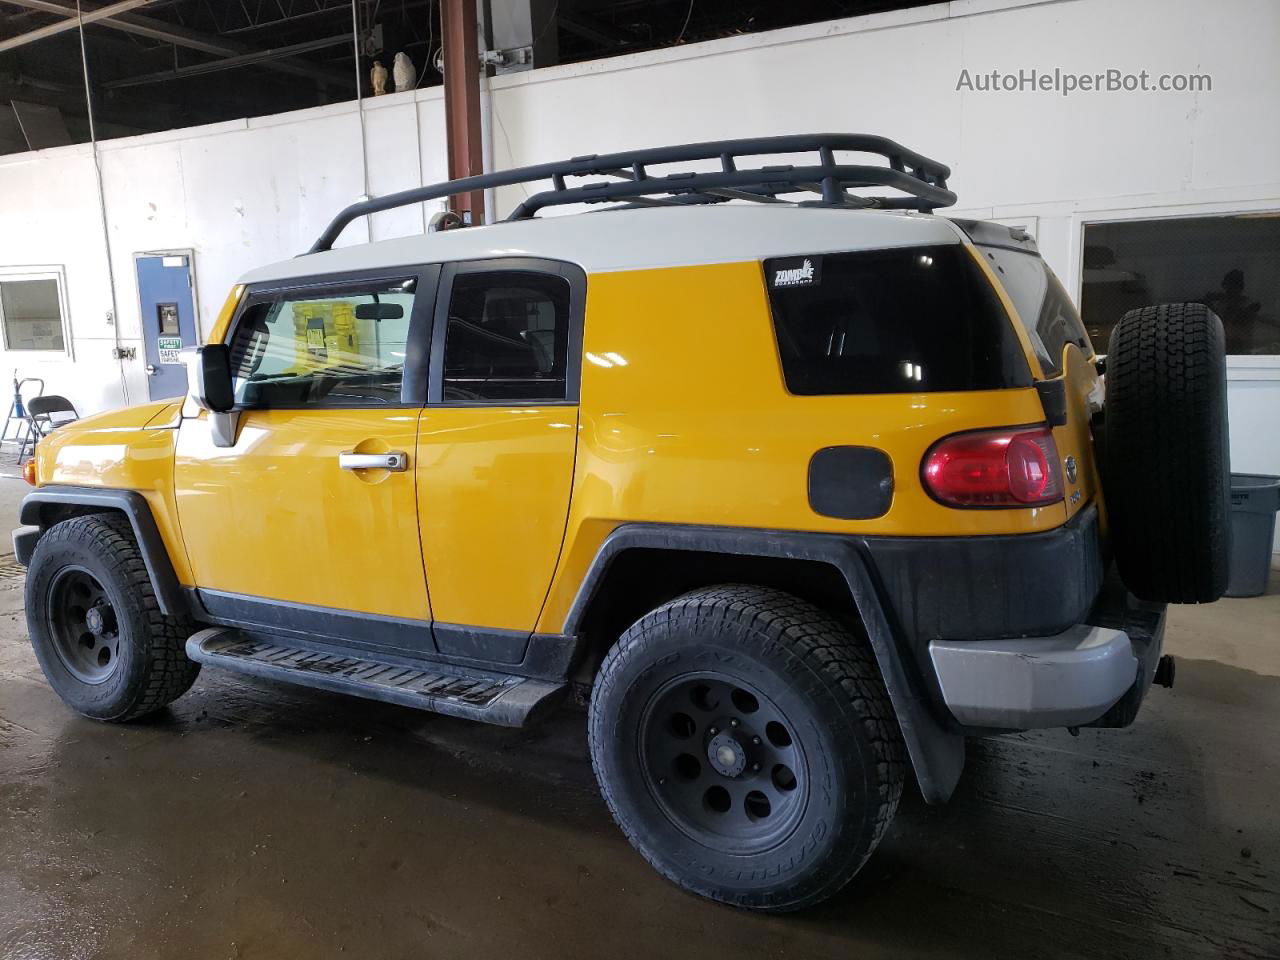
(44,507)
(827,570)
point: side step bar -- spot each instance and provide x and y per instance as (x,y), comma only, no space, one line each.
(483,695)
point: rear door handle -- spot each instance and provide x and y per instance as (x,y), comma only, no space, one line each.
(397,461)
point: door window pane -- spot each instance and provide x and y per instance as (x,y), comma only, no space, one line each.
(32,314)
(1232,264)
(507,338)
(341,347)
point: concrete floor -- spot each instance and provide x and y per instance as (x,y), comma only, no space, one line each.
(254,820)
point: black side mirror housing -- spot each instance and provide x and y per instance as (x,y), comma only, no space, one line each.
(213,389)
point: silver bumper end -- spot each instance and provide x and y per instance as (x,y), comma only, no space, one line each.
(1065,680)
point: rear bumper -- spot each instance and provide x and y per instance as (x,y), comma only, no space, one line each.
(1088,674)
(983,588)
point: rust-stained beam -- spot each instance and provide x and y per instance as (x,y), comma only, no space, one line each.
(462,103)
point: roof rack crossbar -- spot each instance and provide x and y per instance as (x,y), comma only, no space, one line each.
(923,181)
(840,179)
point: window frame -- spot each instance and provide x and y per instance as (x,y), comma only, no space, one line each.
(56,273)
(577,280)
(413,383)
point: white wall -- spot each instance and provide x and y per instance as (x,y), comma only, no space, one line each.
(249,192)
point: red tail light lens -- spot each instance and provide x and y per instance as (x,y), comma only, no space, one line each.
(995,468)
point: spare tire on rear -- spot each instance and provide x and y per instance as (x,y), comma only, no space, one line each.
(1167,471)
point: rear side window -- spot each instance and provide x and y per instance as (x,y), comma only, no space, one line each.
(891,321)
(1043,306)
(507,338)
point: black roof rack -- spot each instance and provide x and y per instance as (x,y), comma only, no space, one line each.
(923,181)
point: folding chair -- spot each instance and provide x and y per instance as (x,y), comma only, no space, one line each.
(44,415)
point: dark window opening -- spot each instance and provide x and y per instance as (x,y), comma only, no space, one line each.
(507,338)
(892,321)
(1229,263)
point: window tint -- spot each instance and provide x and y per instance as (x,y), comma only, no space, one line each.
(31,311)
(340,347)
(1043,306)
(507,338)
(891,321)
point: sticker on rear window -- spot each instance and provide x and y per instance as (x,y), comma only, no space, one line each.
(796,272)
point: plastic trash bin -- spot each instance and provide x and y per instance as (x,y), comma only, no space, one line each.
(1255,498)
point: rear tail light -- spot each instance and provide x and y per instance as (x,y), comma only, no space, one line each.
(1010,467)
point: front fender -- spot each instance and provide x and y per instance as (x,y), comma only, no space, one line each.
(43,507)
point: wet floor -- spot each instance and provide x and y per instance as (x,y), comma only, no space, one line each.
(256,820)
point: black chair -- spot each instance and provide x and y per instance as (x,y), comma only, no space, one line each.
(44,415)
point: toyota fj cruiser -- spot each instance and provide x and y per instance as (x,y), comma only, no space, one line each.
(801,493)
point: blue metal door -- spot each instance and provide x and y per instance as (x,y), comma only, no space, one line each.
(168,321)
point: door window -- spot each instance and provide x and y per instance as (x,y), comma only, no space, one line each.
(340,347)
(507,338)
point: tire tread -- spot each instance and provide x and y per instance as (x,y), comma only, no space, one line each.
(1168,469)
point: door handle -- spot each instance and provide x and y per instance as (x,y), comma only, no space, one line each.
(151,370)
(396,461)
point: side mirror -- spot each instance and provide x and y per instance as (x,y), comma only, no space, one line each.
(212,388)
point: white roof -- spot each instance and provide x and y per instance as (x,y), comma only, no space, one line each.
(635,239)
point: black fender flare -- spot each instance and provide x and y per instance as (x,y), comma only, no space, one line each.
(36,511)
(937,752)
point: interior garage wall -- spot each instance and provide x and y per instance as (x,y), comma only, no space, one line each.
(249,192)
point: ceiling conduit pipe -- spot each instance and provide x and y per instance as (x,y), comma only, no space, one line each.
(102,212)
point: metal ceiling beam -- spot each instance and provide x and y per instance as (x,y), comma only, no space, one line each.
(191,39)
(71,23)
(226,63)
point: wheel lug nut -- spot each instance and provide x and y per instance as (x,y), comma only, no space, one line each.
(755,741)
(712,730)
(733,722)
(755,767)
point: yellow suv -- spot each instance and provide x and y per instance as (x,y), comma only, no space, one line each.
(801,492)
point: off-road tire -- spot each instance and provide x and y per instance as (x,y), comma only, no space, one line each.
(1167,470)
(822,677)
(151,668)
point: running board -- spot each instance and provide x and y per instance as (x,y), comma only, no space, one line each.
(490,697)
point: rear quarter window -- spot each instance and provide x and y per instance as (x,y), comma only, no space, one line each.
(904,320)
(1044,309)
